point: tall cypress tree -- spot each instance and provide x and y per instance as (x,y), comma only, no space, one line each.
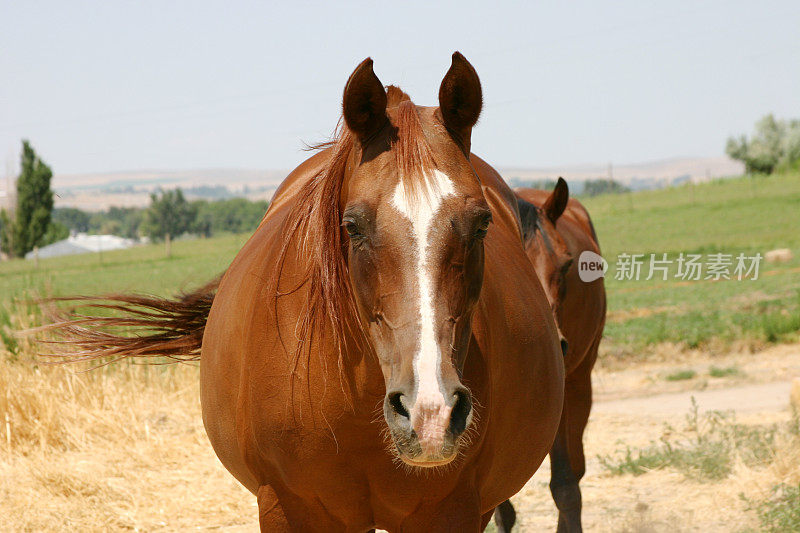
(34,205)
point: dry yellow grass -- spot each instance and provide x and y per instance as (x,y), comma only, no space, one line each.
(113,449)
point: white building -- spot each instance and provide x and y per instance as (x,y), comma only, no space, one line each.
(81,244)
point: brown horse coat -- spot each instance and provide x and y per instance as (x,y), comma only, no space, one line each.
(322,464)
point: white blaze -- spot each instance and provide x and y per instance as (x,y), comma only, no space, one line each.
(421,212)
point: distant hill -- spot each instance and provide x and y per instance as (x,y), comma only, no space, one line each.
(637,176)
(231,177)
(97,191)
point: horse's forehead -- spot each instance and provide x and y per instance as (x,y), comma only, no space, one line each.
(384,188)
(425,201)
(378,178)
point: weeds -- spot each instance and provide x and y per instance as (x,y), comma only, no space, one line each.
(17,315)
(681,375)
(705,449)
(780,325)
(7,337)
(780,512)
(720,372)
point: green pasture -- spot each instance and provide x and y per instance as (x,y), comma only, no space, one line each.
(749,215)
(746,215)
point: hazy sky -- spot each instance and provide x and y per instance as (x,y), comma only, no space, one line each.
(102,86)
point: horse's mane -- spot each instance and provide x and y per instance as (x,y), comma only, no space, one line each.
(313,227)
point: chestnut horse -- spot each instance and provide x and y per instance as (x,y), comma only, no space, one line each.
(556,230)
(380,353)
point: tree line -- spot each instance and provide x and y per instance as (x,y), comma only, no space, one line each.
(592,187)
(34,221)
(169,213)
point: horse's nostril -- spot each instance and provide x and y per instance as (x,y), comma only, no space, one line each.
(396,402)
(461,411)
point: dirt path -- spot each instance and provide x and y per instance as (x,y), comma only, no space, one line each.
(631,409)
(741,399)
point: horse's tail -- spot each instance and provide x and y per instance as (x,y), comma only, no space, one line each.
(162,327)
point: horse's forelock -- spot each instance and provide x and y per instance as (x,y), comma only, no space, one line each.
(412,153)
(395,95)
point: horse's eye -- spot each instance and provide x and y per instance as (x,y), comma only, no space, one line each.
(483,228)
(352,229)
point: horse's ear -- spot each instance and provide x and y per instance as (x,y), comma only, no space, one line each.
(460,99)
(364,102)
(557,201)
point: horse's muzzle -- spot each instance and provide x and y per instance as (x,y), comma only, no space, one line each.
(427,433)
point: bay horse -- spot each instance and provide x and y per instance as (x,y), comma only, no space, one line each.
(380,354)
(556,230)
